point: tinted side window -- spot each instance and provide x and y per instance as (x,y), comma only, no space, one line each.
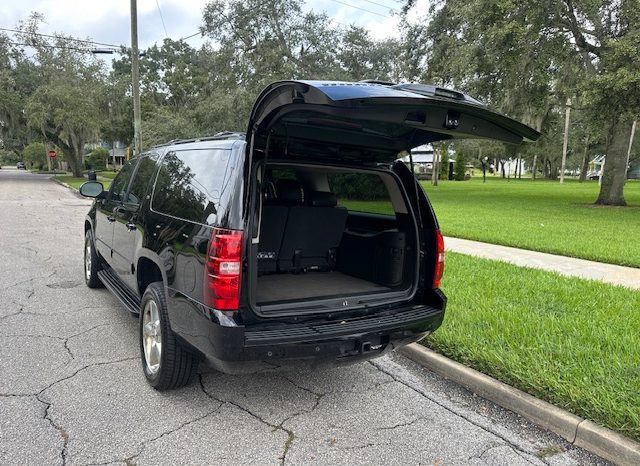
(189,183)
(141,180)
(119,186)
(361,192)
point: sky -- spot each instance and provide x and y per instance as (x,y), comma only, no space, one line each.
(108,20)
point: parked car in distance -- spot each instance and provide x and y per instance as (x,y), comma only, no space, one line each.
(21,166)
(303,240)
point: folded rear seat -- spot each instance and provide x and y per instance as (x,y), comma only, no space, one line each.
(274,218)
(312,233)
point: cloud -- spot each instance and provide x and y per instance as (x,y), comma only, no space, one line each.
(108,21)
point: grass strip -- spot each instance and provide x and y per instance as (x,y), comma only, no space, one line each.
(572,342)
(542,216)
(77,182)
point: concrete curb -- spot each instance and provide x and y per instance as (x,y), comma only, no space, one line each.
(604,442)
(64,184)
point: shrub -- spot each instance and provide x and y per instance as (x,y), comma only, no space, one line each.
(459,167)
(34,155)
(97,159)
(358,186)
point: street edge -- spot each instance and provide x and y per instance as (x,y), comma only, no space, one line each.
(583,433)
(69,187)
(64,184)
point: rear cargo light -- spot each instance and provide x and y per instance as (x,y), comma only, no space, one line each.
(439,269)
(223,269)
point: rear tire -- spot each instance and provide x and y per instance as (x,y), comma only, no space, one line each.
(92,263)
(165,364)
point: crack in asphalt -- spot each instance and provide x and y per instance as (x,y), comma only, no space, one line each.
(275,427)
(47,404)
(488,448)
(18,312)
(23,281)
(403,424)
(63,433)
(63,339)
(452,411)
(319,396)
(360,447)
(131,460)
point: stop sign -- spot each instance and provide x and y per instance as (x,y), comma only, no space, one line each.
(52,154)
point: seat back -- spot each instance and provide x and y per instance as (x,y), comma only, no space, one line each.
(312,233)
(274,219)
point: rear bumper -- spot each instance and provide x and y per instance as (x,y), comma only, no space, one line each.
(250,349)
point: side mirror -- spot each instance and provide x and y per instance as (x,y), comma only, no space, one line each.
(92,189)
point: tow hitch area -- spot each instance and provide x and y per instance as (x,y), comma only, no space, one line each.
(369,346)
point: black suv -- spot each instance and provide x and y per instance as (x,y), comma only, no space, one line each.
(305,239)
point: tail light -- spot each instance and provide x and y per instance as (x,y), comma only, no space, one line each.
(223,269)
(439,269)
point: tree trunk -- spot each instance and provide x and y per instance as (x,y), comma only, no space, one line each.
(585,161)
(612,187)
(533,169)
(71,158)
(434,171)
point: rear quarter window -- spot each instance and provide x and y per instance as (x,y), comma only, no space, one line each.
(189,183)
(361,192)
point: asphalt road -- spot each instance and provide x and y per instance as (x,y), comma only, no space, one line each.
(72,390)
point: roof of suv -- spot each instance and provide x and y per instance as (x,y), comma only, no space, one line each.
(222,136)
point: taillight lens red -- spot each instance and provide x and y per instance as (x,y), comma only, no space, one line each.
(439,270)
(223,269)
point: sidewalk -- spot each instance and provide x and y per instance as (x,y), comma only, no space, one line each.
(608,273)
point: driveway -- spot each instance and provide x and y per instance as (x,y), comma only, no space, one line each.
(72,390)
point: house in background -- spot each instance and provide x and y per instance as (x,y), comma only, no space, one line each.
(118,154)
(596,165)
(423,162)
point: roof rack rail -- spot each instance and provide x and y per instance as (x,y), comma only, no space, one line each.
(378,81)
(218,136)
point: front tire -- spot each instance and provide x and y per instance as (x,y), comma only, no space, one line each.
(165,364)
(92,263)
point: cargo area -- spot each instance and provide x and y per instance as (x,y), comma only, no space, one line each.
(287,287)
(330,233)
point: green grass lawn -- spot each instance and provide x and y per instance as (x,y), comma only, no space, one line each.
(77,182)
(110,174)
(572,342)
(541,215)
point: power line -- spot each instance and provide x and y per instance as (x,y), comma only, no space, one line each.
(360,8)
(57,37)
(192,35)
(380,4)
(162,19)
(61,47)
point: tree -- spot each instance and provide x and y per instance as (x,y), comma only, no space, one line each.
(525,58)
(460,167)
(35,155)
(64,106)
(65,112)
(272,39)
(19,77)
(97,159)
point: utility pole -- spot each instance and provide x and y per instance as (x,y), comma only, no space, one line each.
(566,139)
(135,77)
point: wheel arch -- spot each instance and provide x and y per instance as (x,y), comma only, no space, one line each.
(148,270)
